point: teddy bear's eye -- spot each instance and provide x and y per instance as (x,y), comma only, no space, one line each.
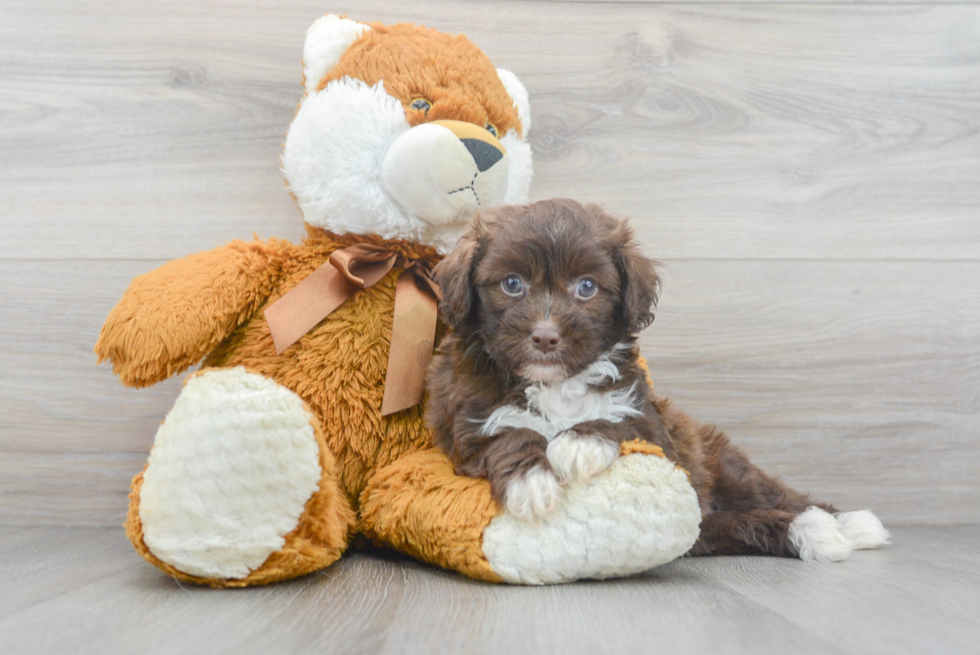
(421,104)
(491,129)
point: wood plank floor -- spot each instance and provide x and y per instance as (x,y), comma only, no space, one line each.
(84,590)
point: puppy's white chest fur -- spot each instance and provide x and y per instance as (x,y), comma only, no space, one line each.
(553,407)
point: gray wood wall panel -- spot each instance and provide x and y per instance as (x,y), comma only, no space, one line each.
(735,131)
(808,173)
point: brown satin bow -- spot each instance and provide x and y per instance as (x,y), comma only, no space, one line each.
(357,267)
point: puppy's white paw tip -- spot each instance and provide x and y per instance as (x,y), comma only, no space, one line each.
(863,529)
(817,537)
(534,495)
(575,456)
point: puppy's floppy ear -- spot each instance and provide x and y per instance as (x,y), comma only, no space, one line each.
(639,283)
(455,276)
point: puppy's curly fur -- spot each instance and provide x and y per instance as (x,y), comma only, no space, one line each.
(538,381)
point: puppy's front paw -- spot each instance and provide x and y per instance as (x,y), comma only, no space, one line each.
(575,456)
(534,495)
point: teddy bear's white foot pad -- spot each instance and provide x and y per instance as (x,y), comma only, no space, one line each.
(639,513)
(229,475)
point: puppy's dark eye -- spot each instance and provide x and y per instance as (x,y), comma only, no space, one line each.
(513,285)
(586,288)
(491,129)
(421,104)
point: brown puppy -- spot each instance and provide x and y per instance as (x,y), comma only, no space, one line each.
(538,382)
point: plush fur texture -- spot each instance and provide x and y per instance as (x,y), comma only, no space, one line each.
(518,94)
(167,318)
(538,377)
(317,537)
(326,41)
(337,141)
(449,71)
(442,170)
(173,316)
(405,494)
(269,464)
(228,419)
(362,104)
(216,504)
(417,505)
(638,513)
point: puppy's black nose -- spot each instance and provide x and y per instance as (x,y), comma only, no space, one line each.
(545,338)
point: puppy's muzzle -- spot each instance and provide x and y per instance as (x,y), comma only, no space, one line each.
(545,337)
(445,171)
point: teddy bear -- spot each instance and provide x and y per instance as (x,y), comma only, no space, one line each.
(303,426)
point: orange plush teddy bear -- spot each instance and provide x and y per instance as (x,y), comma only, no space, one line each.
(303,425)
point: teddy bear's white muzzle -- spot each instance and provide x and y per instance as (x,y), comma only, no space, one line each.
(445,171)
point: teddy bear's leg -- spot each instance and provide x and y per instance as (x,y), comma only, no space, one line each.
(240,488)
(419,506)
(639,513)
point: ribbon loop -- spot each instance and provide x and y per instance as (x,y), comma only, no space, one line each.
(356,268)
(364,264)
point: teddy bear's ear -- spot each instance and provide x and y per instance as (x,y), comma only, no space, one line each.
(519,95)
(326,40)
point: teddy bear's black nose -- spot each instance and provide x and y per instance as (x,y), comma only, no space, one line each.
(484,154)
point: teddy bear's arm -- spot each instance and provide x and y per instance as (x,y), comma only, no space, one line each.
(171,317)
